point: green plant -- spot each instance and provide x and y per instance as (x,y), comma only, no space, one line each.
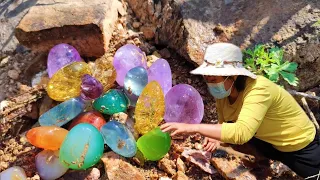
(270,63)
(316,24)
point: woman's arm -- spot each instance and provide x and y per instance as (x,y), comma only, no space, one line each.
(207,130)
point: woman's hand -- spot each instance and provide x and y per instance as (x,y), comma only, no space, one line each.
(210,144)
(178,128)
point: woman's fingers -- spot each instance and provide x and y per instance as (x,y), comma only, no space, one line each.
(205,141)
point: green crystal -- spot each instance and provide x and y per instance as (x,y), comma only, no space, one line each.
(113,101)
(154,144)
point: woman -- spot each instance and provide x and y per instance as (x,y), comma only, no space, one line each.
(259,111)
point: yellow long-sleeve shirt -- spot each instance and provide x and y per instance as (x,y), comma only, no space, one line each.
(268,112)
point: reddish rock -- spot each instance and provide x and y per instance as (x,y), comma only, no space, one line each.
(167,166)
(199,158)
(181,166)
(180,176)
(87,25)
(117,168)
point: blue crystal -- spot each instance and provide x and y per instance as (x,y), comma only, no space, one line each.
(62,113)
(119,138)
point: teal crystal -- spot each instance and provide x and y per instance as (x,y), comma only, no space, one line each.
(113,101)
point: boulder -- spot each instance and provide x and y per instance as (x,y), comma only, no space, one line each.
(117,168)
(189,26)
(87,25)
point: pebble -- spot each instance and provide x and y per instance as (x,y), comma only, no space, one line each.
(165,53)
(13,74)
(4,61)
(136,24)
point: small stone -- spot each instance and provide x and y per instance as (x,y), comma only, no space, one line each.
(116,168)
(165,178)
(167,166)
(136,24)
(156,53)
(199,158)
(148,32)
(23,140)
(137,41)
(198,146)
(119,27)
(1,152)
(13,74)
(277,37)
(15,152)
(93,175)
(181,166)
(180,176)
(4,61)
(27,149)
(165,53)
(121,117)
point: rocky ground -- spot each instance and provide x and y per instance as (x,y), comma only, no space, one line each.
(19,66)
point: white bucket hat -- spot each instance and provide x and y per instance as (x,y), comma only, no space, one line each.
(223,59)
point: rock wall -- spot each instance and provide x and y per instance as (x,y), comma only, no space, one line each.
(188,26)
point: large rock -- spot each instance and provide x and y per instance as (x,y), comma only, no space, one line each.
(189,26)
(87,25)
(117,168)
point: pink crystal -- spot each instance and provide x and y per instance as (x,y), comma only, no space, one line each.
(60,56)
(183,104)
(160,71)
(90,88)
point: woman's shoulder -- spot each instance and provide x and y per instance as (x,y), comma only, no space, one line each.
(261,84)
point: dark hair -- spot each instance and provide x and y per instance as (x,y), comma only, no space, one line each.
(240,83)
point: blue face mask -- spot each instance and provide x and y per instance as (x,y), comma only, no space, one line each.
(218,90)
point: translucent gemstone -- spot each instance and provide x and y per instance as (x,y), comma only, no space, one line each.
(47,137)
(134,82)
(104,72)
(90,88)
(49,166)
(82,148)
(60,56)
(184,104)
(149,110)
(160,71)
(126,58)
(154,145)
(119,139)
(114,101)
(62,113)
(91,117)
(13,173)
(66,82)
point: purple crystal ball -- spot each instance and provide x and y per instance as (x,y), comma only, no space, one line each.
(60,56)
(160,71)
(184,104)
(90,88)
(126,58)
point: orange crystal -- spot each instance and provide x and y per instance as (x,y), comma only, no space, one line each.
(47,137)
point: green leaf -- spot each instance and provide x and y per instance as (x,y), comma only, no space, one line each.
(276,54)
(289,67)
(317,24)
(273,72)
(290,78)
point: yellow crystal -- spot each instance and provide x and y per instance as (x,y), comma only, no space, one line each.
(66,82)
(150,108)
(104,72)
